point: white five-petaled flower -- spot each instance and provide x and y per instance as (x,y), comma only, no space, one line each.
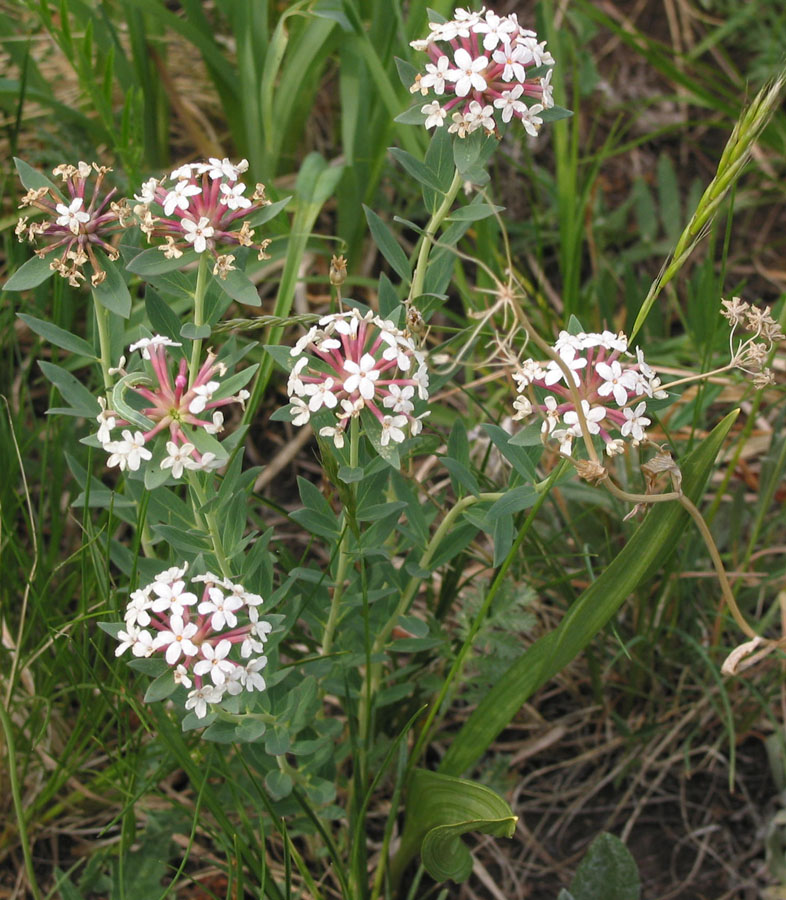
(232,197)
(223,168)
(435,114)
(199,698)
(593,416)
(436,75)
(221,608)
(571,360)
(514,60)
(362,376)
(392,429)
(177,198)
(495,28)
(635,422)
(158,340)
(204,393)
(467,73)
(509,103)
(531,120)
(615,381)
(177,639)
(252,680)
(72,216)
(178,458)
(128,453)
(321,395)
(400,399)
(198,233)
(214,661)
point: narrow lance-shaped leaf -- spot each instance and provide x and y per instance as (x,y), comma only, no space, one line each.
(651,545)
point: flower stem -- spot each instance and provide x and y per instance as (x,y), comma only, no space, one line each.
(343,553)
(199,316)
(428,236)
(499,579)
(210,524)
(102,326)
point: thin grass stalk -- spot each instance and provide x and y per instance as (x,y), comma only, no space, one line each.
(732,162)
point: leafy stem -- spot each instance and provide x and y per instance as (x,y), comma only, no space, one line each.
(199,315)
(210,524)
(104,343)
(428,236)
(343,549)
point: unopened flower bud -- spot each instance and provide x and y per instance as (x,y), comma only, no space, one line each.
(338,271)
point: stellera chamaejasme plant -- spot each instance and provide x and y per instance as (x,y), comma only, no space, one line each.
(345,627)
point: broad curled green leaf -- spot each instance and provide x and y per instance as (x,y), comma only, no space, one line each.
(441,809)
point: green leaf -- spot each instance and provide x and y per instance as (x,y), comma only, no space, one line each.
(268,212)
(555,113)
(388,246)
(162,319)
(474,212)
(31,178)
(514,501)
(29,275)
(279,784)
(516,456)
(220,732)
(646,552)
(153,262)
(607,870)
(411,116)
(440,809)
(161,688)
(113,293)
(58,336)
(420,172)
(192,332)
(72,390)
(406,72)
(239,287)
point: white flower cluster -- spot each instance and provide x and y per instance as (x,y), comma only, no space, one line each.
(352,362)
(609,384)
(199,636)
(490,64)
(172,407)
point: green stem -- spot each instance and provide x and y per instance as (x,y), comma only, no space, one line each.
(17,800)
(411,589)
(458,663)
(199,315)
(102,326)
(343,551)
(210,524)
(428,236)
(408,596)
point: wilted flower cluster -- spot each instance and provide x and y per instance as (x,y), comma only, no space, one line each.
(174,407)
(78,223)
(483,64)
(200,206)
(751,354)
(610,385)
(200,638)
(353,362)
